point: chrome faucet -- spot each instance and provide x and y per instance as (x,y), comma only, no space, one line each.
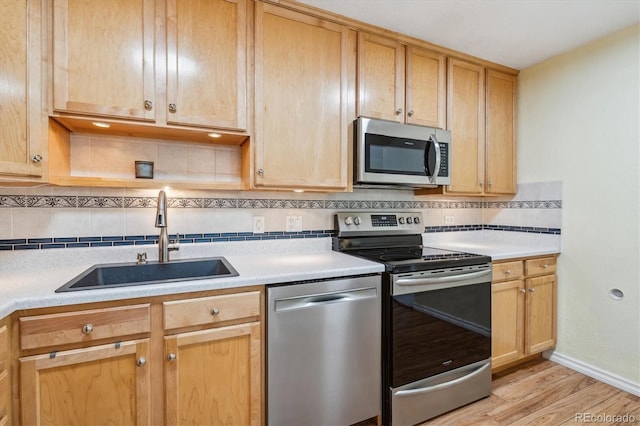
(164,246)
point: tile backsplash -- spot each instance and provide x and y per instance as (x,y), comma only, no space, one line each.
(47,217)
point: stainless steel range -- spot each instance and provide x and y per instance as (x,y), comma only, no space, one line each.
(436,315)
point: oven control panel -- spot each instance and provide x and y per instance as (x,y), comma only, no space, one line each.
(378,223)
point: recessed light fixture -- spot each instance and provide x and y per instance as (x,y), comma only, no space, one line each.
(214,135)
(101,124)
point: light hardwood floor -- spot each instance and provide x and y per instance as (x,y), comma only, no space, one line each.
(541,392)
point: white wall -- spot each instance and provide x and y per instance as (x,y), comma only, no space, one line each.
(579,123)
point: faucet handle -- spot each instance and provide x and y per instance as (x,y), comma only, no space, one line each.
(142,258)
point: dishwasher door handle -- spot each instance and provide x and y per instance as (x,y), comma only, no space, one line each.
(312,300)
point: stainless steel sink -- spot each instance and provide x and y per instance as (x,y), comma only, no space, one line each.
(128,274)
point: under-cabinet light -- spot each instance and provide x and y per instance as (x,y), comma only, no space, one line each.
(214,135)
(298,190)
(101,124)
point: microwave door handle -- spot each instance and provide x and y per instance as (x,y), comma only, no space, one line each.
(436,168)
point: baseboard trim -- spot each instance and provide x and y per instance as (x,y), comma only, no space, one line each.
(595,372)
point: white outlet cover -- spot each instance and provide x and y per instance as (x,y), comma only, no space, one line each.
(258,224)
(449,220)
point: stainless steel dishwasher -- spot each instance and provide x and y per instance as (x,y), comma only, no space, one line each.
(323,352)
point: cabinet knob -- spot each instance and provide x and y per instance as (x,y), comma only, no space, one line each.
(490,184)
(148,105)
(36,158)
(399,111)
(173,108)
(532,290)
(215,311)
(481,183)
(141,361)
(545,266)
(260,172)
(507,272)
(410,113)
(522,290)
(87,329)
(171,357)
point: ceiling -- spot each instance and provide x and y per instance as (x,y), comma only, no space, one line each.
(515,33)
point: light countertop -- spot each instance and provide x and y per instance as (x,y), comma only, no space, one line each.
(29,278)
(499,245)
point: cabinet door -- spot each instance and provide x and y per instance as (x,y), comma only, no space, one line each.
(213,377)
(206,63)
(541,314)
(381,77)
(465,119)
(103,58)
(507,322)
(106,384)
(5,380)
(501,133)
(426,88)
(20,88)
(301,100)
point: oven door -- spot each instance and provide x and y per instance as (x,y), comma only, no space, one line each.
(438,334)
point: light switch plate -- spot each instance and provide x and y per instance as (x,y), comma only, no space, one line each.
(449,220)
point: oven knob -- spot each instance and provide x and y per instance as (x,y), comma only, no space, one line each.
(356,220)
(348,220)
(401,220)
(416,220)
(409,220)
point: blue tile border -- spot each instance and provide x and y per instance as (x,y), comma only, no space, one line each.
(130,240)
(138,240)
(458,228)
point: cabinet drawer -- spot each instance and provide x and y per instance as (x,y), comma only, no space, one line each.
(544,265)
(83,326)
(507,271)
(211,310)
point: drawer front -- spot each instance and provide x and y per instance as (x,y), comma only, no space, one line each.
(211,310)
(544,265)
(507,271)
(84,326)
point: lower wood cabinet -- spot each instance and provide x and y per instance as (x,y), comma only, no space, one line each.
(523,321)
(141,364)
(5,378)
(104,384)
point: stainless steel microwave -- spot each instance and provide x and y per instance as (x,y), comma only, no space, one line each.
(391,153)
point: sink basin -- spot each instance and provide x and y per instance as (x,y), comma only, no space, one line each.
(128,274)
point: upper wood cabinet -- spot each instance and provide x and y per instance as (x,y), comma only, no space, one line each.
(398,83)
(183,64)
(501,143)
(206,63)
(21,144)
(465,118)
(301,84)
(481,116)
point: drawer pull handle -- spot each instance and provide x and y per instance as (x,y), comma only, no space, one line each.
(215,311)
(87,329)
(171,357)
(141,361)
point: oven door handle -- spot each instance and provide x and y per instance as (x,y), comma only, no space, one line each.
(442,280)
(427,389)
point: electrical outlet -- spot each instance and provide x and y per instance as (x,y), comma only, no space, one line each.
(298,226)
(258,224)
(294,224)
(449,220)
